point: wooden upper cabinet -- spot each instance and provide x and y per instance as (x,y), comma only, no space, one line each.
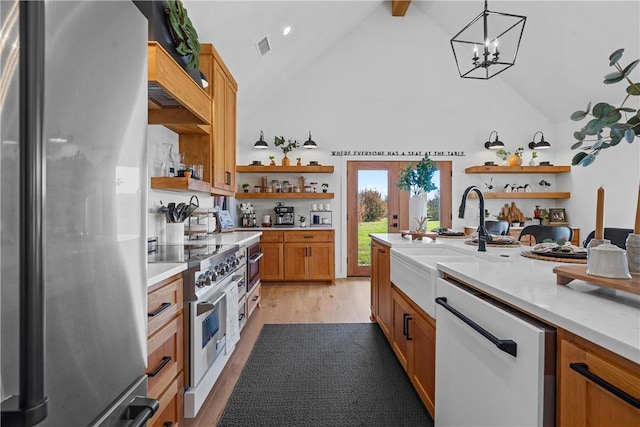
(216,151)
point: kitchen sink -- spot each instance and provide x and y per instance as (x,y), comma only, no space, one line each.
(414,270)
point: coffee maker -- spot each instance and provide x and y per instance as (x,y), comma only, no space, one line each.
(285,216)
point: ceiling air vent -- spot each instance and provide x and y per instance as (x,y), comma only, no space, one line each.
(263,46)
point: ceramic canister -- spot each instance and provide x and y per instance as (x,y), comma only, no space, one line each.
(633,253)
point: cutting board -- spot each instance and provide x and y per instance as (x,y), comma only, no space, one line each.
(567,273)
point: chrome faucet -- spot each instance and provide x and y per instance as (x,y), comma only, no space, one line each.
(483,235)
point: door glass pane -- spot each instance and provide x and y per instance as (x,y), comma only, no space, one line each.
(372,209)
(433,204)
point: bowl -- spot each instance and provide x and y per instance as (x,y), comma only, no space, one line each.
(256,163)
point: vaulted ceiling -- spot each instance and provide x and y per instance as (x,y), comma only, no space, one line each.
(556,65)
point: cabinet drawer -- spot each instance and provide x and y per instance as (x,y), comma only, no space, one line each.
(309,236)
(253,299)
(171,406)
(164,303)
(271,236)
(164,358)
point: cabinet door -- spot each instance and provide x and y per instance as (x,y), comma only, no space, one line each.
(320,261)
(272,262)
(374,280)
(401,312)
(385,317)
(423,375)
(230,137)
(295,261)
(584,402)
(218,161)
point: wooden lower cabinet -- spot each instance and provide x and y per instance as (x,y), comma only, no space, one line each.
(414,343)
(381,305)
(586,401)
(165,351)
(298,256)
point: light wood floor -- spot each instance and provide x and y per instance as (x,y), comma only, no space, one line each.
(346,302)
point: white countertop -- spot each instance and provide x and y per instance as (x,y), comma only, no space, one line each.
(157,272)
(603,316)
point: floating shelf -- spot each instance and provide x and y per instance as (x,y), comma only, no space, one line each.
(517,169)
(179,184)
(531,195)
(284,169)
(284,196)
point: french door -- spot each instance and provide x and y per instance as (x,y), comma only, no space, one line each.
(376,205)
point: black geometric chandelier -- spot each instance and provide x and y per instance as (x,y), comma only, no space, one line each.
(488,45)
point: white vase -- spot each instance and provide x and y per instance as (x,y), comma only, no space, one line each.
(532,162)
(417,209)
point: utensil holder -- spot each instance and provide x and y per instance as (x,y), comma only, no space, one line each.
(175,233)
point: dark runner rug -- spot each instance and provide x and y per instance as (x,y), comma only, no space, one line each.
(343,374)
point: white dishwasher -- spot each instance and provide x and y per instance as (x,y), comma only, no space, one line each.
(494,366)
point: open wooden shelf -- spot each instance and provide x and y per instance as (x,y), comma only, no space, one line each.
(179,184)
(531,195)
(517,169)
(175,100)
(284,196)
(284,169)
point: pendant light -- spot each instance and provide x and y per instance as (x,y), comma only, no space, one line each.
(261,143)
(309,143)
(488,45)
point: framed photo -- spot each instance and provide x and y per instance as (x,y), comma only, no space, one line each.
(558,216)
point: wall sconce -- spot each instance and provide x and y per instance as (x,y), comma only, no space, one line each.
(310,144)
(475,47)
(495,144)
(540,145)
(261,143)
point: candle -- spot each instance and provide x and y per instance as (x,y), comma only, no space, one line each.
(636,229)
(600,215)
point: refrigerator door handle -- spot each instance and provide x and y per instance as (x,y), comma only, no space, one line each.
(141,410)
(29,406)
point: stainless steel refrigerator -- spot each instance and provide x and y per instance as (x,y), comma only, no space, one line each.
(73,99)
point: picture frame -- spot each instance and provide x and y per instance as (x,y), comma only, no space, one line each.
(558,216)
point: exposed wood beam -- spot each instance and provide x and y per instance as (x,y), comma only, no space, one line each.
(399,7)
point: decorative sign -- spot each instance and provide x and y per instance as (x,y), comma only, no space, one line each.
(349,153)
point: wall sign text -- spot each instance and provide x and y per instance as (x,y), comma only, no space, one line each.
(348,153)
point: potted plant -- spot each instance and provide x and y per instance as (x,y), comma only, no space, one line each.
(418,182)
(325,187)
(513,159)
(303,220)
(503,154)
(285,146)
(272,160)
(489,185)
(608,127)
(534,155)
(298,161)
(544,184)
(245,187)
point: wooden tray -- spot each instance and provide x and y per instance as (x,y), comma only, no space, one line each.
(415,235)
(567,273)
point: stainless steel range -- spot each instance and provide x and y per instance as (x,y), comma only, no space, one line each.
(210,288)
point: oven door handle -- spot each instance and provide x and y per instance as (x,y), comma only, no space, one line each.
(255,257)
(205,306)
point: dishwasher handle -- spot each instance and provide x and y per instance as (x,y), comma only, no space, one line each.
(508,346)
(583,369)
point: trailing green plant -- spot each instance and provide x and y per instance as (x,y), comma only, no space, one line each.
(184,35)
(417,181)
(503,154)
(608,125)
(285,146)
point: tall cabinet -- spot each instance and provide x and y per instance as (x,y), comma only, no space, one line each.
(217,149)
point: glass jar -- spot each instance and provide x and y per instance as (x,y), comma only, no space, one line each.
(285,187)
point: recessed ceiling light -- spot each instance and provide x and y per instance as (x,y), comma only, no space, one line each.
(287,30)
